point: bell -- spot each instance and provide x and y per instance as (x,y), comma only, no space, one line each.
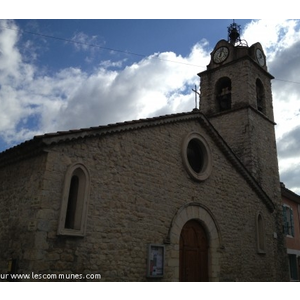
(233,36)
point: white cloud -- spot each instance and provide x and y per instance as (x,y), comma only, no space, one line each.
(154,84)
(10,58)
(35,103)
(83,42)
(111,64)
(281,42)
(89,44)
(160,83)
(275,35)
(15,75)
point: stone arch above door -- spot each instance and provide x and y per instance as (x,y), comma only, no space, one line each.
(194,211)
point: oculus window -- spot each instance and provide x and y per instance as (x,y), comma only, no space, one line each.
(196,156)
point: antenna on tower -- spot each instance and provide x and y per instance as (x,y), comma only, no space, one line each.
(234,35)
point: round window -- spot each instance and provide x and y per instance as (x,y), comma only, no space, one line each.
(196,156)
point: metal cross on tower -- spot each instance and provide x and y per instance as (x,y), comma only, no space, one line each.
(196,93)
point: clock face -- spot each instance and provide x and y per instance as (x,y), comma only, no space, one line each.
(221,54)
(260,57)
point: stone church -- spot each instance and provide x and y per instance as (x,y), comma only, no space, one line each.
(192,196)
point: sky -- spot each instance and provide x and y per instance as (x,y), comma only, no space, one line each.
(62,74)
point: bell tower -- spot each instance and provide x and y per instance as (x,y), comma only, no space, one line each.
(236,97)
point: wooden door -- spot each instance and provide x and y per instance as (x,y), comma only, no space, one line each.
(193,265)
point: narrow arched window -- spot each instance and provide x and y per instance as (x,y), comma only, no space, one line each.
(260,96)
(75,201)
(260,230)
(223,93)
(72,204)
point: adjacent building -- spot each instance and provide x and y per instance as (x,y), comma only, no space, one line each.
(291,229)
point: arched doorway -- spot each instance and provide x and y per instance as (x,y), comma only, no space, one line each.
(193,254)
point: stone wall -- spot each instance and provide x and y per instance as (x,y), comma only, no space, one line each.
(21,194)
(138,187)
(252,138)
(243,75)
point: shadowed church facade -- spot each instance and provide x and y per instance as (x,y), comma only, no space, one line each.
(186,197)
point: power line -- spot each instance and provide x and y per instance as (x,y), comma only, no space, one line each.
(289,81)
(73,41)
(97,46)
(115,50)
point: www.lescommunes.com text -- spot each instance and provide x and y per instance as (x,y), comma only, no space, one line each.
(61,276)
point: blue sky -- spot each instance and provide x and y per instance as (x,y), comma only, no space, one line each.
(61,74)
(139,37)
